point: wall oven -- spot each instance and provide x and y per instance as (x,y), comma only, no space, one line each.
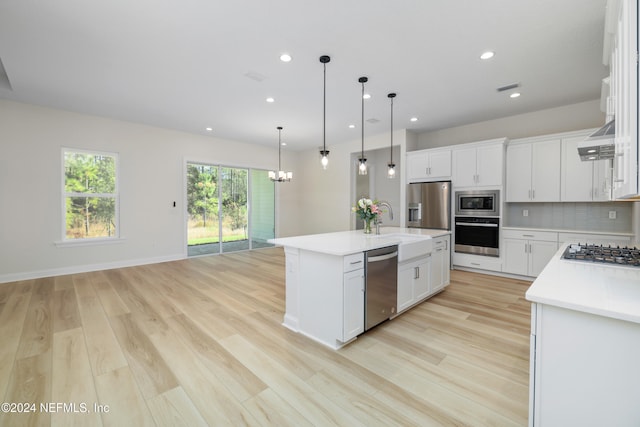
(477,235)
(477,222)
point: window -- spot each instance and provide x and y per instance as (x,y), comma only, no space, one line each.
(90,192)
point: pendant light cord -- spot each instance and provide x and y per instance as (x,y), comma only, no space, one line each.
(392,130)
(362,121)
(324,111)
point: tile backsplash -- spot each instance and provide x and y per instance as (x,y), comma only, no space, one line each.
(571,216)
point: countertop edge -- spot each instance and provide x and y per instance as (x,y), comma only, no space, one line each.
(551,288)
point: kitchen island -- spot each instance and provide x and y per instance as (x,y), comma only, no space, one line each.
(325,277)
(585,344)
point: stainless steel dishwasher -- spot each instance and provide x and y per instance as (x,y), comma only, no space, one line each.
(381,285)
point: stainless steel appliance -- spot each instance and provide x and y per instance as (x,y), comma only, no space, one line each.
(603,254)
(429,205)
(381,285)
(477,222)
(478,203)
(477,235)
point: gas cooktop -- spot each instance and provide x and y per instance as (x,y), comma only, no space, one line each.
(603,254)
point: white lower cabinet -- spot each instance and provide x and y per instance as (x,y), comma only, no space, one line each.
(414,277)
(440,263)
(584,369)
(353,304)
(526,252)
(421,277)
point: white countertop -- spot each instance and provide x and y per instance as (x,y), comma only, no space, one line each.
(602,289)
(349,242)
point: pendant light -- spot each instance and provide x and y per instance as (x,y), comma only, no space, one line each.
(324,153)
(280,175)
(391,167)
(362,168)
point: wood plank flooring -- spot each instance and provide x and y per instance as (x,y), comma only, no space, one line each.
(200,342)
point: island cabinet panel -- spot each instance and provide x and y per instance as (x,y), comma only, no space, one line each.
(440,263)
(353,309)
(584,369)
(325,296)
(414,282)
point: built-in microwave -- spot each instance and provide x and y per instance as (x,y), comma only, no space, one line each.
(478,203)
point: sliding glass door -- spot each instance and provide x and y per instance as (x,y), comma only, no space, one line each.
(229,209)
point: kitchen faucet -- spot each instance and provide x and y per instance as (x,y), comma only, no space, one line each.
(377,221)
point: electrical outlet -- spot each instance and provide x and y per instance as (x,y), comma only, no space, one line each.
(525,212)
(612,215)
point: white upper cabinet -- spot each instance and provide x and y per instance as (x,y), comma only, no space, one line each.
(478,165)
(533,171)
(624,96)
(583,181)
(429,165)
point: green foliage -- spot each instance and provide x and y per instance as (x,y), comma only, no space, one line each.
(90,184)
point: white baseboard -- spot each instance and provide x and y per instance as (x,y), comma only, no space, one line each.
(28,275)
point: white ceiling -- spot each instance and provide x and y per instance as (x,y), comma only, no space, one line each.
(183,64)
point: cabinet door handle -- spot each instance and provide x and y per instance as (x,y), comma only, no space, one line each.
(474,263)
(416,272)
(529,196)
(533,194)
(528,235)
(355,262)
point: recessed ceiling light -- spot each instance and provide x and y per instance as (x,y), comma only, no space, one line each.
(285,57)
(270,100)
(487,55)
(209,129)
(283,143)
(352,126)
(413,119)
(514,95)
(366,96)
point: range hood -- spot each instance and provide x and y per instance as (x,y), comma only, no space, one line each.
(600,144)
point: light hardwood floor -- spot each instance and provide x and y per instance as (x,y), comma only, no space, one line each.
(200,342)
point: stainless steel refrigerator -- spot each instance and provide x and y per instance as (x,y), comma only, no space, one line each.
(429,205)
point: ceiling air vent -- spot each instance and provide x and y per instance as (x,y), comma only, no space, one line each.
(508,87)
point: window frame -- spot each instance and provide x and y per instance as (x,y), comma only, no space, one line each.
(116,196)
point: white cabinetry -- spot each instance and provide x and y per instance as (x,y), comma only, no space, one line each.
(429,165)
(533,171)
(413,281)
(526,252)
(440,263)
(583,181)
(424,276)
(624,94)
(353,308)
(584,369)
(478,165)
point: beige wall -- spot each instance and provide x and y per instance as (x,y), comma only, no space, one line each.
(151,167)
(584,115)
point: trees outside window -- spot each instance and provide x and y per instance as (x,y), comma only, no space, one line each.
(90,195)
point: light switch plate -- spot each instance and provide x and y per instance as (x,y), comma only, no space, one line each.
(525,212)
(612,215)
